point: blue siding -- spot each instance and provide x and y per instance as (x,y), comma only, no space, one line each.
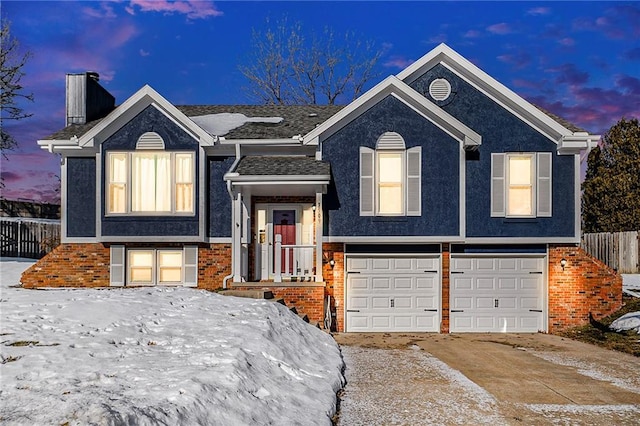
(502,131)
(175,139)
(81,197)
(219,201)
(440,174)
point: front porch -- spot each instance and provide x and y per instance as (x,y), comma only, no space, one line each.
(277,219)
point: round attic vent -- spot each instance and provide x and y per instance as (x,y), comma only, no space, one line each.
(440,89)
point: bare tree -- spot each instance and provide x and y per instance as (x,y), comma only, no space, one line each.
(284,67)
(11,91)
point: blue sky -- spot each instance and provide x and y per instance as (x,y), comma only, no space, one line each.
(579,60)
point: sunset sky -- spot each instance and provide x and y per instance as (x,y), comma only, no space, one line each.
(579,60)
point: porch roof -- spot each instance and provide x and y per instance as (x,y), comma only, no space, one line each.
(282,166)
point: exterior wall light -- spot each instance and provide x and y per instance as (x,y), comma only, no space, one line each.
(332,263)
(563,263)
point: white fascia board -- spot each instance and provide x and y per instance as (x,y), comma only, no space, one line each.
(134,105)
(489,86)
(275,179)
(521,240)
(400,239)
(295,140)
(401,91)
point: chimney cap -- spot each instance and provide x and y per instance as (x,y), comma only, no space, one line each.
(93,75)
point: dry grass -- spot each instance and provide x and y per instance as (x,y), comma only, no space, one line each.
(626,341)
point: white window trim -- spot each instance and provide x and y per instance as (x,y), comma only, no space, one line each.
(533,178)
(128,185)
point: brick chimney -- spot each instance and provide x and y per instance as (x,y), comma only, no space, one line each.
(86,99)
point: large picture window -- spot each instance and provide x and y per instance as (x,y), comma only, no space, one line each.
(142,182)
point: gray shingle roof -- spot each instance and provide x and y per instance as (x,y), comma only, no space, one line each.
(277,166)
(297,120)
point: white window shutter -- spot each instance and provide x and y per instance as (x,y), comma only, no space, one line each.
(116,266)
(414,171)
(498,185)
(367,181)
(190,255)
(544,189)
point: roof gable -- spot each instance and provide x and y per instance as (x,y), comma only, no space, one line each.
(124,113)
(401,91)
(527,112)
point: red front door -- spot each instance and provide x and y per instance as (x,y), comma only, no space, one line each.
(284,223)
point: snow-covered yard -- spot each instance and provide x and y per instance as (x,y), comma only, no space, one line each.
(159,356)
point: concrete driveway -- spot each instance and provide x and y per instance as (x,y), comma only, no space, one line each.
(413,379)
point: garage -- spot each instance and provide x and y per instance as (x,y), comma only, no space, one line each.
(498,294)
(393,293)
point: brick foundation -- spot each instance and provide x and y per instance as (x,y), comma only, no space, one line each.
(70,265)
(308,300)
(87,265)
(585,285)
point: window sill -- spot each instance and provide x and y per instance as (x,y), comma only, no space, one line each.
(389,218)
(520,220)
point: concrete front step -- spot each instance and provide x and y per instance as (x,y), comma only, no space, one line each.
(253,294)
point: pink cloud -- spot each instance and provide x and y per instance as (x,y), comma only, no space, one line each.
(440,38)
(569,74)
(519,60)
(536,11)
(398,62)
(501,29)
(472,34)
(105,11)
(193,9)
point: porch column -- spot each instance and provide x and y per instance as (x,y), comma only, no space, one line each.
(318,218)
(236,234)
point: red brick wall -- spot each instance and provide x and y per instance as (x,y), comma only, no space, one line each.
(334,280)
(70,265)
(214,263)
(585,285)
(308,300)
(87,265)
(446,260)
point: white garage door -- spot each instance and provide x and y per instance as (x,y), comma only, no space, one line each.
(393,293)
(497,294)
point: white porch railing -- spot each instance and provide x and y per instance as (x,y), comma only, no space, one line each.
(293,261)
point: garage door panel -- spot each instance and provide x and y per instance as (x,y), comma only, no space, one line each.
(431,302)
(485,284)
(378,264)
(427,283)
(460,283)
(358,283)
(393,293)
(403,283)
(516,283)
(358,303)
(484,303)
(426,264)
(508,283)
(381,283)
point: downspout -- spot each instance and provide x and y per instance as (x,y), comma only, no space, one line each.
(233,222)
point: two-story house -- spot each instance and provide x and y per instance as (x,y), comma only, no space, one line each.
(437,201)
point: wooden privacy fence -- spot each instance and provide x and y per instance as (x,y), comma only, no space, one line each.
(619,250)
(24,237)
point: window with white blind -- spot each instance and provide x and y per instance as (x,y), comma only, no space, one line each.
(521,184)
(390,178)
(150,182)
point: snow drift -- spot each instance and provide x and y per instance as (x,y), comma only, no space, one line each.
(159,356)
